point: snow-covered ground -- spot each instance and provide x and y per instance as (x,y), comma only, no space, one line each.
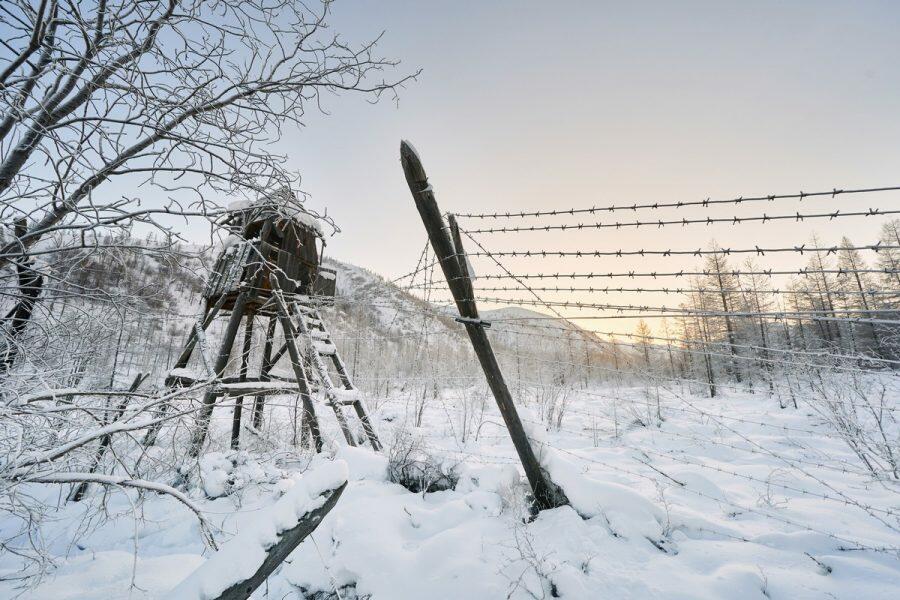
(729,497)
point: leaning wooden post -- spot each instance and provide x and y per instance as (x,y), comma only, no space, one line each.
(253,570)
(453,263)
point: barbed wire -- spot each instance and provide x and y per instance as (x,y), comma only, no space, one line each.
(706,352)
(678,291)
(516,329)
(508,272)
(777,316)
(801,272)
(699,252)
(657,205)
(686,311)
(735,220)
(648,375)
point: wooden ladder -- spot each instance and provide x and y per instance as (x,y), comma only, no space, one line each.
(320,348)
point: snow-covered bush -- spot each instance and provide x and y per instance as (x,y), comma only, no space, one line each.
(860,409)
(223,473)
(552,402)
(413,467)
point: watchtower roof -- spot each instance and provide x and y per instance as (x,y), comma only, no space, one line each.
(282,204)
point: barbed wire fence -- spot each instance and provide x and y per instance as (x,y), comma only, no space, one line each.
(612,346)
(722,336)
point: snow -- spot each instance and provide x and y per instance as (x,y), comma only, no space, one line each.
(342,394)
(47,395)
(684,528)
(285,202)
(324,348)
(223,473)
(241,556)
(185,373)
(307,219)
(231,240)
(239,205)
(725,498)
(101,575)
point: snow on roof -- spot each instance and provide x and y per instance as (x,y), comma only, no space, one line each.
(284,202)
(239,205)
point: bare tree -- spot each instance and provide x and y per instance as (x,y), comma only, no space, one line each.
(124,115)
(179,99)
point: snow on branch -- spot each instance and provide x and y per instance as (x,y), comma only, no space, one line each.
(142,484)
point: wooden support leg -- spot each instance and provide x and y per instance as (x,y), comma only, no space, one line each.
(209,399)
(290,340)
(239,400)
(305,432)
(208,315)
(267,364)
(153,432)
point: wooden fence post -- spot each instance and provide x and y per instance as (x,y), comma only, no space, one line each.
(453,263)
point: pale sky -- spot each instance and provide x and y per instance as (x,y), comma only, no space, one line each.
(536,105)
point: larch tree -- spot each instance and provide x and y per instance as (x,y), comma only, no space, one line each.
(858,292)
(722,281)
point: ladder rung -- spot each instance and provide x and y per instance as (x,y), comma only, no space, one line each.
(325,349)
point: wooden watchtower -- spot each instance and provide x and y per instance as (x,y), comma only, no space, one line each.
(270,267)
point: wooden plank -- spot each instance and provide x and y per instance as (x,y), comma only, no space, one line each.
(286,544)
(451,258)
